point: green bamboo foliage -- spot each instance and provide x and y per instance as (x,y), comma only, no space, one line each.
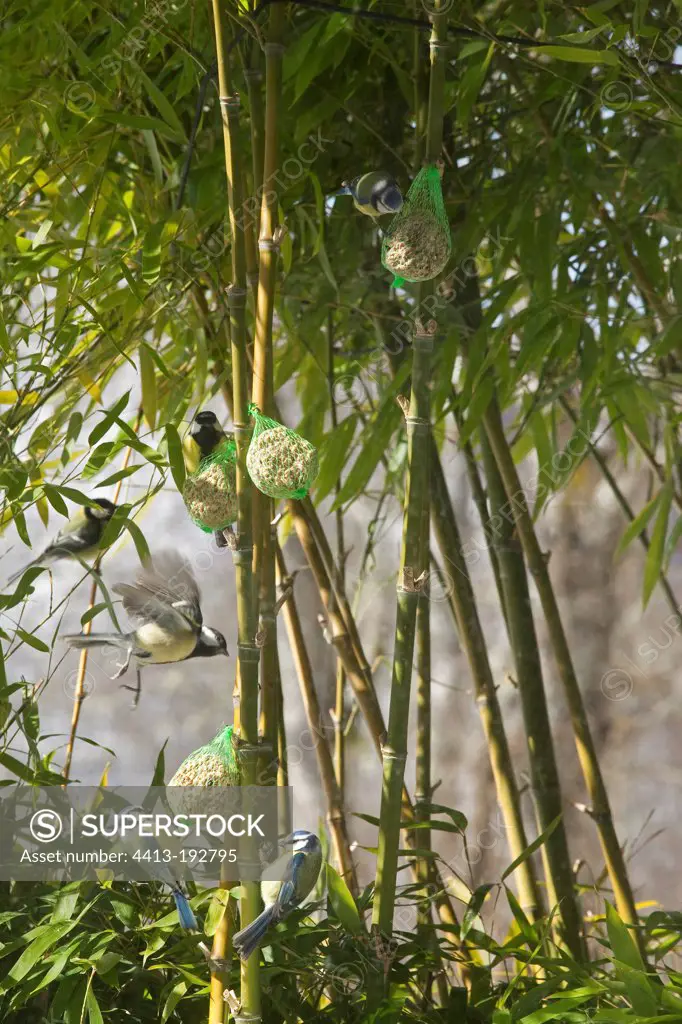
(248,651)
(537,564)
(413,559)
(462,602)
(543,765)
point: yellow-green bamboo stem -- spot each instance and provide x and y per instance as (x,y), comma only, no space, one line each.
(248,651)
(462,603)
(413,561)
(336,818)
(308,529)
(600,810)
(264,560)
(543,767)
(340,688)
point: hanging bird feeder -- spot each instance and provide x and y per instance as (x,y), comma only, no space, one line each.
(281,463)
(210,493)
(417,244)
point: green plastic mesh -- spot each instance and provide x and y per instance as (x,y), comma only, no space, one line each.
(281,463)
(213,765)
(417,243)
(210,493)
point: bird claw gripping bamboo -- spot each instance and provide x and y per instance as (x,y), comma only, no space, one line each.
(281,463)
(417,244)
(210,494)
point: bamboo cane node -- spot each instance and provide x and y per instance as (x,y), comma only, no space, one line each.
(389,754)
(231,103)
(249,751)
(236,297)
(408,583)
(417,424)
(252,278)
(248,652)
(243,556)
(245,1018)
(266,245)
(273,49)
(253,74)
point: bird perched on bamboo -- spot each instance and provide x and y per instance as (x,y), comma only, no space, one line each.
(298,873)
(202,440)
(374,193)
(78,539)
(165,605)
(159,871)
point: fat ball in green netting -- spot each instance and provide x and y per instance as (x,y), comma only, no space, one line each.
(281,463)
(213,765)
(203,438)
(417,243)
(374,193)
(210,493)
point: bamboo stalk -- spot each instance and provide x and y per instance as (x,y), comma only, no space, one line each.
(413,560)
(262,390)
(543,766)
(248,651)
(462,603)
(336,818)
(308,529)
(340,687)
(537,564)
(79,695)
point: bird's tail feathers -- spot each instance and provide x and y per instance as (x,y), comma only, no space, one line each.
(81,640)
(188,921)
(42,560)
(249,939)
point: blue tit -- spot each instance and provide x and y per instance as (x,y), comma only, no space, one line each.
(374,194)
(79,538)
(298,874)
(164,603)
(201,441)
(158,869)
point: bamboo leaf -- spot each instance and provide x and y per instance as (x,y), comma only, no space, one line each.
(343,903)
(532,847)
(654,559)
(577,55)
(148,382)
(473,909)
(175,457)
(629,965)
(638,524)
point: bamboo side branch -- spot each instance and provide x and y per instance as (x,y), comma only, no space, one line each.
(248,651)
(336,818)
(543,766)
(79,694)
(537,564)
(462,602)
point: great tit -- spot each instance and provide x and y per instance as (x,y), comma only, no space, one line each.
(79,538)
(298,874)
(201,441)
(203,438)
(164,603)
(374,193)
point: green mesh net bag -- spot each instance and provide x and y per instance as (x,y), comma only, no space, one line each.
(213,765)
(281,463)
(417,243)
(210,493)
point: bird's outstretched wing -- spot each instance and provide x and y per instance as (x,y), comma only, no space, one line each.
(143,607)
(169,577)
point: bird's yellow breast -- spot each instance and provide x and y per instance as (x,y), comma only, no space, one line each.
(164,646)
